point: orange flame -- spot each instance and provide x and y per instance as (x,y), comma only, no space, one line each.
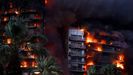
(5,19)
(121,57)
(85,67)
(120,65)
(9,40)
(103,42)
(90,38)
(99,49)
(24,64)
(34,64)
(90,63)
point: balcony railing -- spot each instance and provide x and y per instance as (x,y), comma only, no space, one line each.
(76,38)
(77,45)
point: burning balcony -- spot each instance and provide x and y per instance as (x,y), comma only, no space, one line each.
(28,64)
(7,40)
(27,55)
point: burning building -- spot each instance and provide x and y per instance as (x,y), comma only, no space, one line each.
(94,48)
(34,22)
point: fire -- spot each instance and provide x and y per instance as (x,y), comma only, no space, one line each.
(33,56)
(90,63)
(90,38)
(88,56)
(82,30)
(37,73)
(121,58)
(103,42)
(46,1)
(85,67)
(17,12)
(5,19)
(99,48)
(120,65)
(9,41)
(34,64)
(24,64)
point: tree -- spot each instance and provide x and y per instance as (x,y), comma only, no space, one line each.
(6,53)
(110,70)
(16,31)
(48,66)
(92,70)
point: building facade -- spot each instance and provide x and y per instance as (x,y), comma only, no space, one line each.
(94,48)
(76,51)
(33,20)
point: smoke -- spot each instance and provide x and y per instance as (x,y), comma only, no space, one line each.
(119,10)
(60,13)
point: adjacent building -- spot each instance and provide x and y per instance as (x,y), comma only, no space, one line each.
(96,47)
(76,51)
(33,20)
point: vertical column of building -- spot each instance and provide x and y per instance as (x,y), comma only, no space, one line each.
(76,51)
(34,23)
(8,11)
(105,48)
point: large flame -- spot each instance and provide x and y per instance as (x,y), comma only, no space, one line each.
(99,48)
(120,65)
(90,38)
(90,63)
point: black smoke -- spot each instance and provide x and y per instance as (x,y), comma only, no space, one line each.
(116,13)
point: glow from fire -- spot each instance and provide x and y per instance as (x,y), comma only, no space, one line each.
(119,65)
(17,12)
(121,58)
(46,1)
(103,42)
(23,64)
(99,49)
(9,40)
(32,56)
(34,64)
(91,63)
(36,73)
(90,38)
(5,19)
(85,67)
(82,30)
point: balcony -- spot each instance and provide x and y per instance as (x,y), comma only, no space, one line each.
(78,45)
(77,53)
(28,64)
(77,69)
(76,38)
(79,61)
